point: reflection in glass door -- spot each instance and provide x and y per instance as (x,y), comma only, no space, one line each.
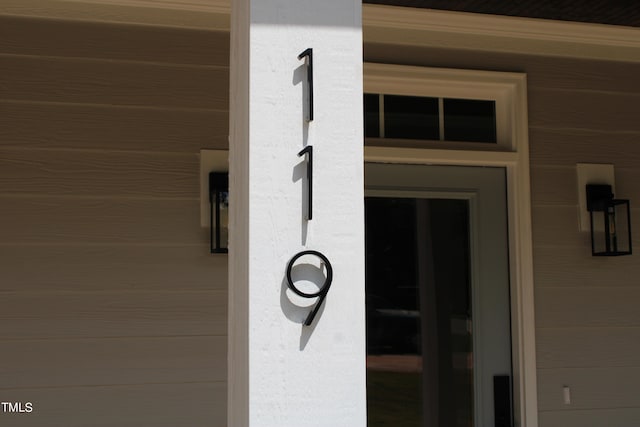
(421,290)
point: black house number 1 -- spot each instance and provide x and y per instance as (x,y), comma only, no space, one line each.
(308,151)
(322,292)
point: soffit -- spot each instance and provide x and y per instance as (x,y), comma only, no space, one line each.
(611,12)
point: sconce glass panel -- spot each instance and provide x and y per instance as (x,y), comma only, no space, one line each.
(610,222)
(219,223)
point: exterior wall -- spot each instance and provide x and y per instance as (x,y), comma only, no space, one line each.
(113,312)
(587,321)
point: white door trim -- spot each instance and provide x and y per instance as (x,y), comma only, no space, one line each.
(516,163)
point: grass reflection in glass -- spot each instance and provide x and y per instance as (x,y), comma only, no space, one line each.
(394,399)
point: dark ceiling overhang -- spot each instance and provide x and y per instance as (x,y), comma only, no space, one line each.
(612,12)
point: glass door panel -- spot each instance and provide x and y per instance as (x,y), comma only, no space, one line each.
(436,286)
(419,333)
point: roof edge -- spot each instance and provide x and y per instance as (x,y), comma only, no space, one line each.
(381,24)
(463,30)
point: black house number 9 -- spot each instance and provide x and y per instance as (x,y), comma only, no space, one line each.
(321,294)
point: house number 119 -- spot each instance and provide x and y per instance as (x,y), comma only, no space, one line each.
(323,290)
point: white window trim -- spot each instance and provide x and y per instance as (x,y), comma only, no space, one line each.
(446,83)
(420,81)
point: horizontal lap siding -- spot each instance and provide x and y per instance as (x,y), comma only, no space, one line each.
(618,417)
(106,269)
(130,405)
(585,305)
(112,361)
(102,40)
(588,323)
(557,226)
(557,184)
(100,127)
(113,310)
(583,109)
(587,317)
(110,267)
(99,174)
(574,266)
(112,314)
(581,346)
(99,81)
(58,220)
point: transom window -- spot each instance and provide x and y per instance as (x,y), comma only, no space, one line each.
(429,118)
(438,108)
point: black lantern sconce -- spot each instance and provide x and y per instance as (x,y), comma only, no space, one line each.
(219,213)
(610,222)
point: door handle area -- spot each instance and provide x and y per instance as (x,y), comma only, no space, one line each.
(502,401)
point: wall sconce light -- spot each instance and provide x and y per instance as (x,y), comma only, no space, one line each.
(219,213)
(610,222)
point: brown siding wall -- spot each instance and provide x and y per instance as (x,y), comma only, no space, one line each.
(113,312)
(587,317)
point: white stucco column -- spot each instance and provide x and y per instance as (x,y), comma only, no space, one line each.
(281,372)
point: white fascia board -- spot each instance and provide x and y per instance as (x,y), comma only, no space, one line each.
(381,24)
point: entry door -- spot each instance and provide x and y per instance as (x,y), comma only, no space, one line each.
(437,286)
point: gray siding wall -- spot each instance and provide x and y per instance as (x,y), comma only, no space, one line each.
(113,312)
(587,316)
